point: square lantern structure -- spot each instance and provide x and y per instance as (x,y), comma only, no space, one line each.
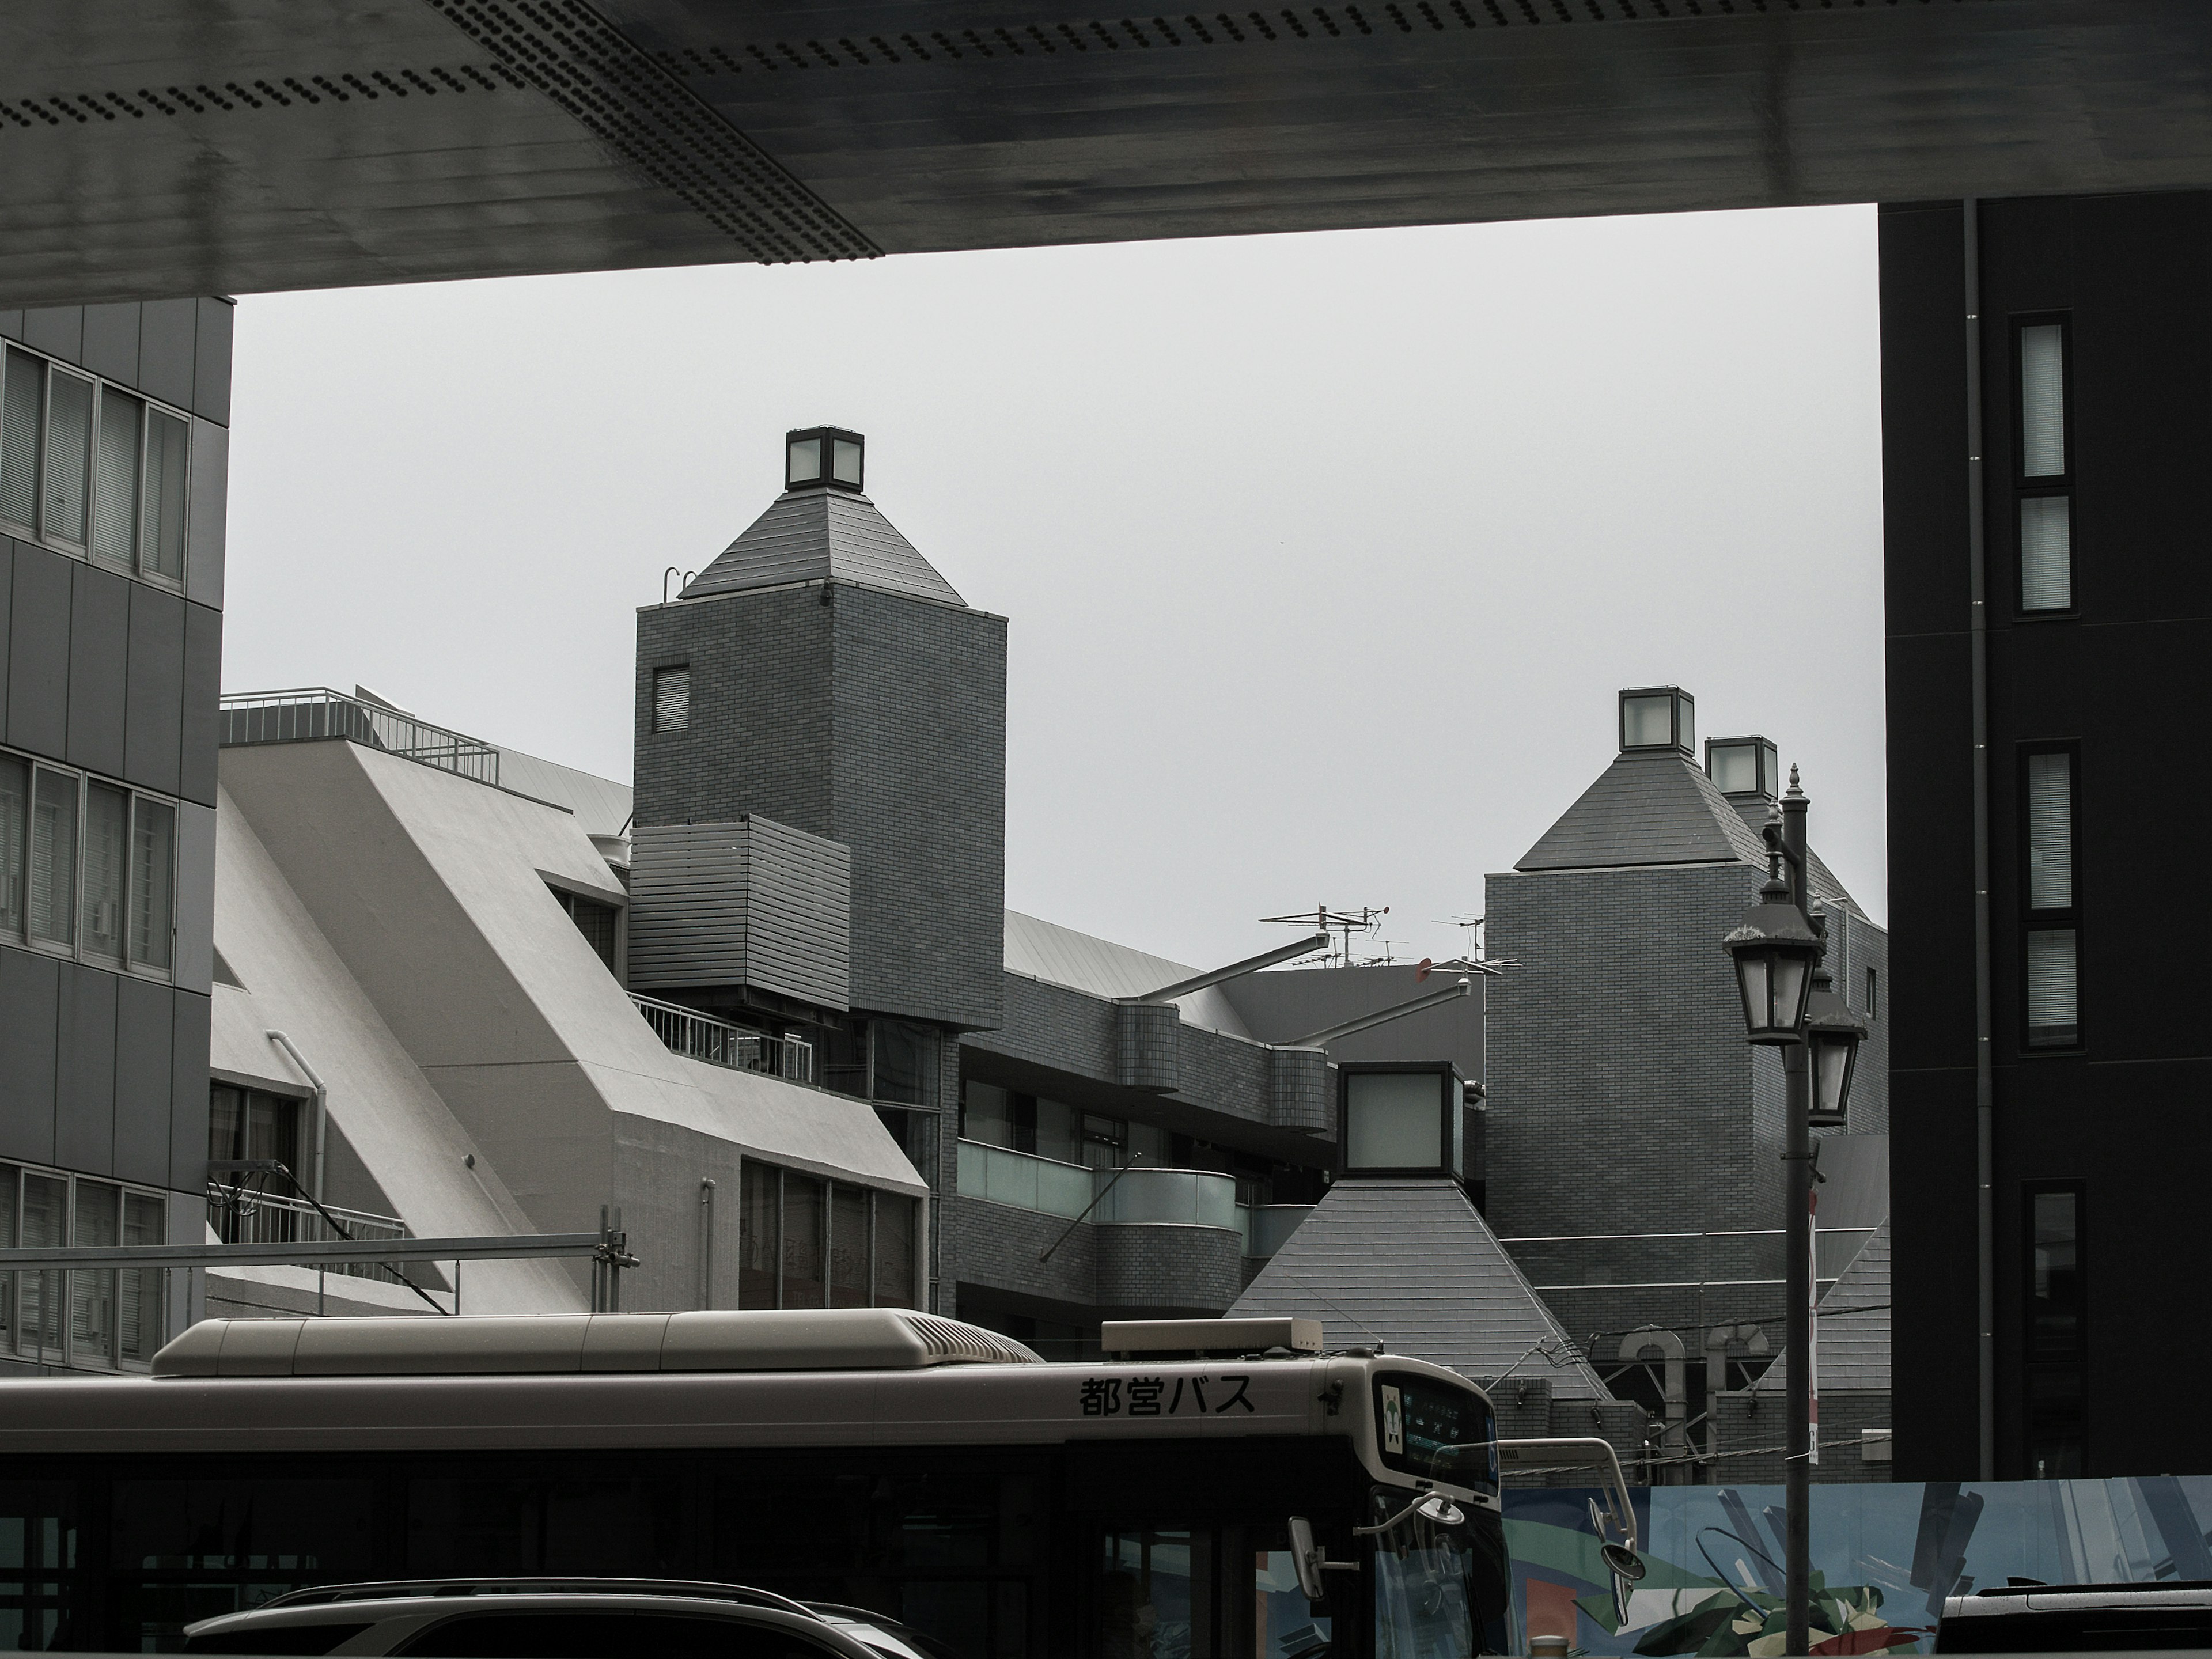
(824,458)
(1400,1118)
(1658,718)
(1744,766)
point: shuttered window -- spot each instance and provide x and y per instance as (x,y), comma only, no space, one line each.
(2051,952)
(115,493)
(164,520)
(86,868)
(68,457)
(22,405)
(2042,473)
(672,699)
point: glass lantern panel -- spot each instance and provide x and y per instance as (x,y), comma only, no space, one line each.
(1793,981)
(1735,768)
(1770,771)
(1647,722)
(1751,975)
(1831,1061)
(805,465)
(844,462)
(1392,1120)
(1686,724)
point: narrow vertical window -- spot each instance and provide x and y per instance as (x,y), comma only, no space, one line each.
(1873,993)
(98,1225)
(15,839)
(23,400)
(848,1245)
(895,1250)
(167,442)
(2056,1328)
(804,1219)
(760,1243)
(2043,479)
(51,903)
(68,457)
(106,838)
(2051,916)
(671,698)
(43,1224)
(153,882)
(10,1178)
(138,1296)
(115,479)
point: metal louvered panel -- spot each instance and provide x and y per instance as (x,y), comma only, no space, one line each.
(751,903)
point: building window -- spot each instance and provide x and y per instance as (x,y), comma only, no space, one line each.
(2044,478)
(251,1123)
(804,1243)
(1872,994)
(106,1318)
(86,868)
(92,468)
(671,698)
(2056,1328)
(2052,969)
(596,922)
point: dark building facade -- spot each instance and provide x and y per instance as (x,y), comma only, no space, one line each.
(2046,617)
(113,467)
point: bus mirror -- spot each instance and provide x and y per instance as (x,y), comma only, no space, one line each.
(1625,1562)
(1307,1559)
(1439,1510)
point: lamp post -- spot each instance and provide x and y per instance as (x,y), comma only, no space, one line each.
(1778,951)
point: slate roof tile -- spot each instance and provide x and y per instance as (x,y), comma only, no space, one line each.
(1412,1264)
(823,535)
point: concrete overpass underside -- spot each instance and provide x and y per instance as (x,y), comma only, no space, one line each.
(158,147)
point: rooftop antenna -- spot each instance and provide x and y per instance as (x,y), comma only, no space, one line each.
(1471,960)
(1343,924)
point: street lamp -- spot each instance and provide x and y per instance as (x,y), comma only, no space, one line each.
(1778,951)
(1833,1034)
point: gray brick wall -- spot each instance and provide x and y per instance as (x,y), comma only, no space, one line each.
(874,719)
(1145,1045)
(1193,1270)
(1752,1427)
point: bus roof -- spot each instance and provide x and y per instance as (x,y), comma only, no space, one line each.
(811,1340)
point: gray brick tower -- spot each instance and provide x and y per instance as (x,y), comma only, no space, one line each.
(1623,1098)
(822,675)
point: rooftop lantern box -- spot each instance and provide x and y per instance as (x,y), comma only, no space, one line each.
(1400,1118)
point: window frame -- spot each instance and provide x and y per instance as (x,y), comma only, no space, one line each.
(653,698)
(15,1172)
(143,566)
(76,948)
(2050,919)
(778,1178)
(2045,486)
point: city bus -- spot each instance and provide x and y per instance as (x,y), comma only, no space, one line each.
(1216,1489)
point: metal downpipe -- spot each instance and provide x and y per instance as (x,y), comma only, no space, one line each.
(1984,1060)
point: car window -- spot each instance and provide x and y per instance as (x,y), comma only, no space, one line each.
(609,1635)
(274,1638)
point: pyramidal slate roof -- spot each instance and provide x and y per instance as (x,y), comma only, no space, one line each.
(1411,1265)
(1656,808)
(823,535)
(1853,1347)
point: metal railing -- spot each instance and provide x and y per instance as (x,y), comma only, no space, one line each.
(242,1216)
(700,1037)
(1199,1198)
(316,711)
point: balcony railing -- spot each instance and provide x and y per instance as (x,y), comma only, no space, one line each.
(316,711)
(700,1037)
(1196,1198)
(244,1216)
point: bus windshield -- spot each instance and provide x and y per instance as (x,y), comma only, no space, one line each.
(1438,1590)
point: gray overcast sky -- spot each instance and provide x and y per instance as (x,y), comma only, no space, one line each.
(1324,555)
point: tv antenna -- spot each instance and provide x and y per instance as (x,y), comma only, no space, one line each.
(1470,960)
(1341,924)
